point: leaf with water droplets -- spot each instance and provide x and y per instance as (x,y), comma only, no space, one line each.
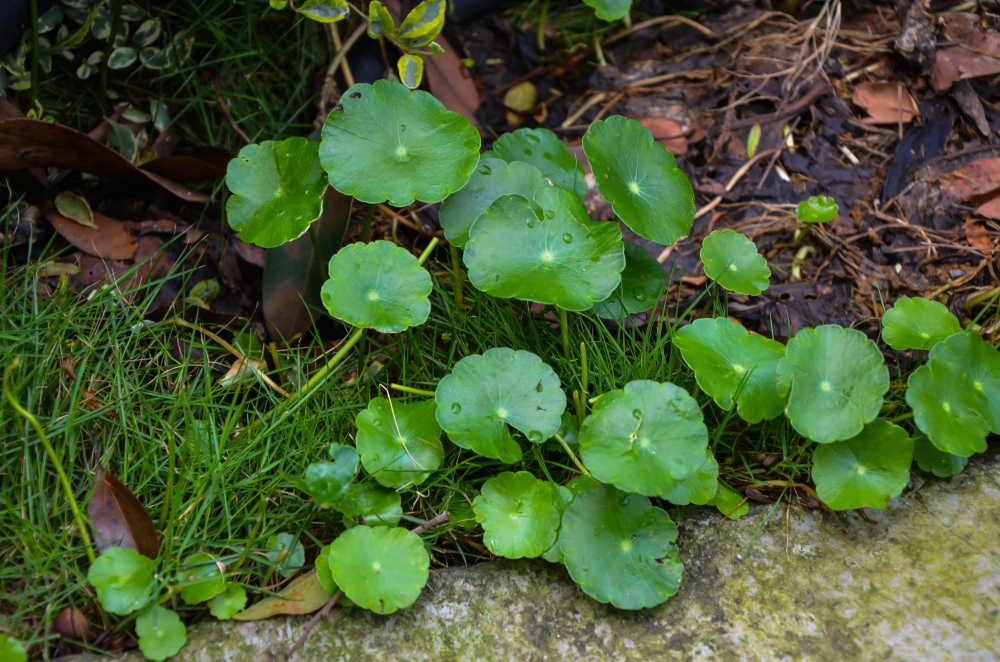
(399,442)
(520,514)
(544,150)
(641,287)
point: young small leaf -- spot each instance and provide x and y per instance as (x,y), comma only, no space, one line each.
(378,285)
(729,502)
(733,262)
(491,179)
(324,11)
(371,505)
(864,471)
(484,393)
(732,365)
(917,323)
(421,25)
(200,579)
(620,549)
(411,70)
(286,553)
(420,150)
(519,513)
(817,209)
(544,150)
(641,287)
(11,649)
(399,443)
(226,604)
(161,633)
(123,579)
(937,462)
(649,438)
(380,21)
(837,379)
(327,482)
(640,179)
(382,569)
(551,252)
(277,191)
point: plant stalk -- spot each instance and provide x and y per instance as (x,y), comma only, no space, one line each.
(458,276)
(366,229)
(572,455)
(411,389)
(81,521)
(564,331)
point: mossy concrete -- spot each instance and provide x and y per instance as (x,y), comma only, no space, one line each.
(923,583)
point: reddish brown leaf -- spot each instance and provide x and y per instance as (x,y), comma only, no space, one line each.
(990,209)
(978,54)
(198,166)
(979,177)
(72,623)
(885,103)
(28,143)
(110,240)
(119,519)
(449,80)
(668,132)
(977,236)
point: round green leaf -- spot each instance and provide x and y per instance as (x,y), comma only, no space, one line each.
(390,143)
(544,150)
(491,179)
(484,393)
(937,462)
(286,553)
(619,548)
(227,603)
(379,286)
(837,380)
(864,471)
(817,209)
(161,633)
(646,438)
(729,502)
(123,579)
(550,253)
(327,482)
(323,573)
(955,396)
(699,486)
(372,505)
(731,364)
(640,179)
(381,569)
(519,513)
(200,579)
(732,261)
(12,650)
(277,191)
(399,443)
(610,10)
(641,287)
(917,323)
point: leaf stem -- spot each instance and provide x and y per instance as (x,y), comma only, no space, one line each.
(572,455)
(564,331)
(428,250)
(412,389)
(81,521)
(366,229)
(902,417)
(458,276)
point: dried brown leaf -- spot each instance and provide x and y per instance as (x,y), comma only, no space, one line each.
(668,132)
(974,179)
(303,596)
(111,238)
(885,103)
(119,519)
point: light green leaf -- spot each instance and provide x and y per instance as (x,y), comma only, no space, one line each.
(733,262)
(399,443)
(324,11)
(567,493)
(372,505)
(380,21)
(620,549)
(123,579)
(519,513)
(730,503)
(610,10)
(730,364)
(377,286)
(232,600)
(411,70)
(917,323)
(641,287)
(12,650)
(420,150)
(161,633)
(837,379)
(485,393)
(817,209)
(492,179)
(422,25)
(286,553)
(937,462)
(76,208)
(640,179)
(327,482)
(382,569)
(648,438)
(544,150)
(551,252)
(200,579)
(864,471)
(277,190)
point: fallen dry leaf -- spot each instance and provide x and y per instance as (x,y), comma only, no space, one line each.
(303,596)
(119,519)
(977,55)
(990,209)
(449,81)
(668,132)
(976,178)
(111,239)
(977,236)
(885,103)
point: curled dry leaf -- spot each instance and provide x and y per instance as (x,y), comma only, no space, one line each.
(303,596)
(119,519)
(977,55)
(110,238)
(449,80)
(885,103)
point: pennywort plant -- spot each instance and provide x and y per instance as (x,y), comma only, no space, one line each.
(517,215)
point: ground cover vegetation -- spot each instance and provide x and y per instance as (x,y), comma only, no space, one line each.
(539,392)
